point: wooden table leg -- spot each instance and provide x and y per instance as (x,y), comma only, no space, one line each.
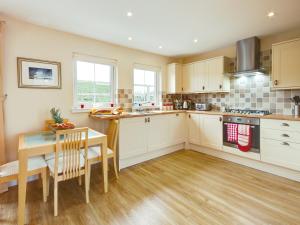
(22,185)
(104,164)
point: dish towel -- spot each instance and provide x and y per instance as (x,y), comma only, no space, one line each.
(232,132)
(244,137)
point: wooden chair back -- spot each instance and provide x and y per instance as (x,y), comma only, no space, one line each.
(49,122)
(69,144)
(112,134)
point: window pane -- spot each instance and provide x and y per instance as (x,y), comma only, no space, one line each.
(102,73)
(102,88)
(85,87)
(85,99)
(152,94)
(149,78)
(139,76)
(139,94)
(85,71)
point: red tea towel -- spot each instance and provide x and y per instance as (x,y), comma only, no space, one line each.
(244,137)
(232,132)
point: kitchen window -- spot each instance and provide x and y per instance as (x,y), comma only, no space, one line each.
(145,90)
(94,83)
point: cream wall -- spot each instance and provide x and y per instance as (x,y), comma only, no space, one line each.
(26,109)
(230,51)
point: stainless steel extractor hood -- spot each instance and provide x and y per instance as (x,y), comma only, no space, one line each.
(248,53)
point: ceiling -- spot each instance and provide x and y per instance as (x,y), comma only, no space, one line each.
(172,24)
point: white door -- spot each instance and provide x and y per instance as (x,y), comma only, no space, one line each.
(211,131)
(194,128)
(215,69)
(201,73)
(187,78)
(158,132)
(132,137)
(177,128)
(285,64)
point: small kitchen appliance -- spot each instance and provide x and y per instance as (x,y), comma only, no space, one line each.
(202,106)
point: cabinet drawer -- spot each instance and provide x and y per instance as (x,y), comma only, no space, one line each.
(285,125)
(280,135)
(286,154)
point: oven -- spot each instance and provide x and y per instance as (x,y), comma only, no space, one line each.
(255,131)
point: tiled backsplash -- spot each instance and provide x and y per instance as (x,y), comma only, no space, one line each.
(125,99)
(252,92)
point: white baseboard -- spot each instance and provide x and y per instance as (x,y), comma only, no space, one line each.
(123,163)
(269,168)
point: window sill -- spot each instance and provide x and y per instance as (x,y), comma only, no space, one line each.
(87,110)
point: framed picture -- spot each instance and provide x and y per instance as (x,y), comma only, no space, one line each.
(35,73)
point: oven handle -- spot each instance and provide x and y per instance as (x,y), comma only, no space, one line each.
(238,123)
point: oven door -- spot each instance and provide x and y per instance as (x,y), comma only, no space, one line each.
(255,140)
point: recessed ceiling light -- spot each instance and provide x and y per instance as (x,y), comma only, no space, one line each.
(130,38)
(129,14)
(271,14)
(195,40)
(160,47)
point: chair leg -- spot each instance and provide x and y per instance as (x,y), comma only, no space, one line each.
(45,185)
(87,186)
(79,181)
(55,197)
(115,167)
(48,182)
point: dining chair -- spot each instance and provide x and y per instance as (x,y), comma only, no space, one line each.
(69,162)
(94,152)
(36,166)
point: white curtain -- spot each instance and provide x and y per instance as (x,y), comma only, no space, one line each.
(2,99)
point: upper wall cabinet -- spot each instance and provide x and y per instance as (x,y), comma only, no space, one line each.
(206,76)
(174,78)
(286,64)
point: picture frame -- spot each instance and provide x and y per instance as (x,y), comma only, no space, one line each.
(36,73)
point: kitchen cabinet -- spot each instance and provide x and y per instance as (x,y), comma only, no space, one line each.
(174,78)
(285,64)
(205,130)
(212,131)
(188,78)
(280,143)
(144,136)
(206,76)
(158,132)
(133,138)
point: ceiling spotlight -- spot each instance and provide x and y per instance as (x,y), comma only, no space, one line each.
(129,14)
(195,40)
(271,14)
(130,38)
(160,47)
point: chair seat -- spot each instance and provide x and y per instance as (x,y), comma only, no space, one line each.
(51,164)
(95,152)
(12,168)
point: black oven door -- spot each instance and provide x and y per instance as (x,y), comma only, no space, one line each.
(255,129)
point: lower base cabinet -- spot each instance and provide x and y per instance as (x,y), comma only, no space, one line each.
(142,135)
(205,130)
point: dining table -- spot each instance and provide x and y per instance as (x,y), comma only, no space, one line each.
(42,143)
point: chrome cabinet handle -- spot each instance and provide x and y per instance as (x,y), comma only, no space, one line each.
(145,120)
(177,114)
(285,143)
(190,116)
(285,135)
(220,86)
(275,82)
(285,125)
(220,119)
(148,119)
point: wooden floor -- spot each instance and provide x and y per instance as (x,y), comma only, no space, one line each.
(185,187)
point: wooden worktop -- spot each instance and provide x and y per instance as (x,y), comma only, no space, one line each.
(132,115)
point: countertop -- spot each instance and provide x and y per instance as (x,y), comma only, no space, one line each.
(153,113)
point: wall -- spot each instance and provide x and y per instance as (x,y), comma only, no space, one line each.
(26,109)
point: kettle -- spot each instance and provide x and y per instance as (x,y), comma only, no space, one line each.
(185,105)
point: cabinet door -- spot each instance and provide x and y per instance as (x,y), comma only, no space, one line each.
(174,78)
(215,69)
(201,74)
(285,64)
(132,137)
(211,131)
(194,128)
(187,78)
(177,128)
(281,153)
(158,132)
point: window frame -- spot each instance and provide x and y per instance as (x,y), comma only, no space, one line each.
(94,60)
(157,83)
